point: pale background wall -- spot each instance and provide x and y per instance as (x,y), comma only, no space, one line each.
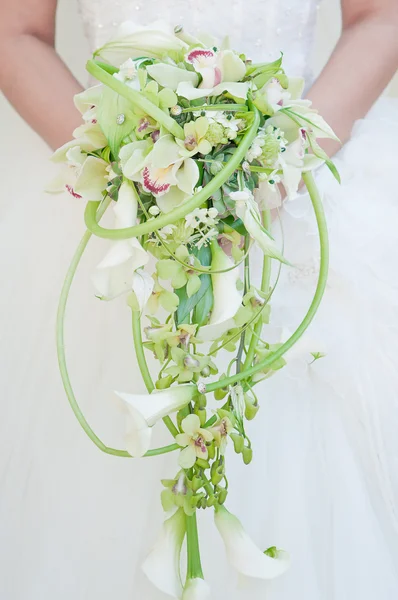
(73,49)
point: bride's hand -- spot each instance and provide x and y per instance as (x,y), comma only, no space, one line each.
(32,76)
(362,64)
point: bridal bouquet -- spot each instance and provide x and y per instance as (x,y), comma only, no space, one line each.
(192,145)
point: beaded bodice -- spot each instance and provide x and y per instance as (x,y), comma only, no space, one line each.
(260,28)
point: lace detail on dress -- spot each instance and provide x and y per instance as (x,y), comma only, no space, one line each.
(260,28)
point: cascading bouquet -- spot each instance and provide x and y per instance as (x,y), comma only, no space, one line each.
(191,143)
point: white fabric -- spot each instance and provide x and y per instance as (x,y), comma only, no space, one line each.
(75,523)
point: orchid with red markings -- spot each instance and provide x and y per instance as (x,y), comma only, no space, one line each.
(191,145)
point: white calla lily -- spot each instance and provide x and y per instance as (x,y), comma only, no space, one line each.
(162,565)
(227,298)
(247,210)
(144,410)
(196,589)
(242,552)
(115,273)
(134,41)
(142,286)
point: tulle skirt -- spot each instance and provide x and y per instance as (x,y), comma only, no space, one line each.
(323,484)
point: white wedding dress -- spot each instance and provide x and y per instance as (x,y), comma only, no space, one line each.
(76,523)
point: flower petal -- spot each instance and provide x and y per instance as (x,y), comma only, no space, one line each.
(196,589)
(227,298)
(187,457)
(92,179)
(169,76)
(243,553)
(162,565)
(142,286)
(187,176)
(191,424)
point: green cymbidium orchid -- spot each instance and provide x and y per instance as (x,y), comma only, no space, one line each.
(193,440)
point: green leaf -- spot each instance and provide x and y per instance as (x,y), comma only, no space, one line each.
(187,305)
(320,153)
(110,107)
(236,224)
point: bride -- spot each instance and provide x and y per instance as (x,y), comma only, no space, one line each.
(75,523)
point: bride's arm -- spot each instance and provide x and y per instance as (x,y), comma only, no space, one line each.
(362,64)
(32,76)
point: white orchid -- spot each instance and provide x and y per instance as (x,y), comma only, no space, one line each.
(295,161)
(144,410)
(196,589)
(300,115)
(227,298)
(193,440)
(81,175)
(242,552)
(273,96)
(162,565)
(87,103)
(115,275)
(128,74)
(247,210)
(220,71)
(134,41)
(163,172)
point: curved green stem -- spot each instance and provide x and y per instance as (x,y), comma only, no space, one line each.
(181,211)
(139,350)
(143,365)
(194,566)
(265,283)
(320,289)
(62,356)
(95,68)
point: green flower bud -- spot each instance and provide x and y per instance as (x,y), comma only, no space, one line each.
(251,407)
(201,401)
(164,382)
(202,414)
(203,464)
(220,393)
(211,500)
(203,503)
(222,495)
(196,500)
(217,472)
(211,449)
(197,483)
(247,454)
(239,442)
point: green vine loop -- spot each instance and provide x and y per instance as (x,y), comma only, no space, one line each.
(60,341)
(319,292)
(181,211)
